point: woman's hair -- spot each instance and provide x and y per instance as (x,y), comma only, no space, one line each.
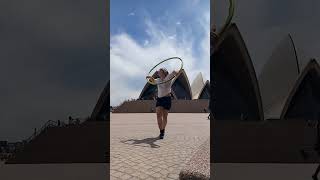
(165,71)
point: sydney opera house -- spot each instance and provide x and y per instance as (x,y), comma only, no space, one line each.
(186,98)
(262,117)
(286,88)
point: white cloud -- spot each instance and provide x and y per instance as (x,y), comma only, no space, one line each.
(146,42)
(131,14)
(195,2)
(131,61)
(178,23)
(172,37)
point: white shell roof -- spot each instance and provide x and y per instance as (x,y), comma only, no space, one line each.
(278,77)
(197,86)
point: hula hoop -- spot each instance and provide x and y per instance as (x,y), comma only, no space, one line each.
(229,18)
(153,83)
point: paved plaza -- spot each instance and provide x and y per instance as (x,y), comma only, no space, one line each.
(137,153)
(77,171)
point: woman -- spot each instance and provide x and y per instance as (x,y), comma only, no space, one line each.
(163,104)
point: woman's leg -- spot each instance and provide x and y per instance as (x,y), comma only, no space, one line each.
(159,116)
(164,118)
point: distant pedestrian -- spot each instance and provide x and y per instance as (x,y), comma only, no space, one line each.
(70,120)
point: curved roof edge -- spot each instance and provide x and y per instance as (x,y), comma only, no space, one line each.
(295,53)
(312,65)
(281,71)
(201,89)
(197,85)
(146,86)
(103,98)
(205,85)
(184,75)
(233,30)
(144,89)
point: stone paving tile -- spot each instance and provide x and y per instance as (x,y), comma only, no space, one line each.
(137,153)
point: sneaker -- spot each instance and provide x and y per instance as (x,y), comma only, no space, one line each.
(161,135)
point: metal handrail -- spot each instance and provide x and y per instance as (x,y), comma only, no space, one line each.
(47,125)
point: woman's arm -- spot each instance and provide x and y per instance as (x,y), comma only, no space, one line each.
(152,79)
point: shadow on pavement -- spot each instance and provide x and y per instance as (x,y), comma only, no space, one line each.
(136,142)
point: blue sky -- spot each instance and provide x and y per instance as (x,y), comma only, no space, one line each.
(53,64)
(144,31)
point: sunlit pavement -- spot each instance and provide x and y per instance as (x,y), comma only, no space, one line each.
(137,153)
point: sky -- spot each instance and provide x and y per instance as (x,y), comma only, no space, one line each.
(264,23)
(142,32)
(53,62)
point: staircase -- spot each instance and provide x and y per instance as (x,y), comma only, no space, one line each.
(76,143)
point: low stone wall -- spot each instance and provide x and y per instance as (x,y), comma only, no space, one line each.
(271,141)
(84,143)
(178,106)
